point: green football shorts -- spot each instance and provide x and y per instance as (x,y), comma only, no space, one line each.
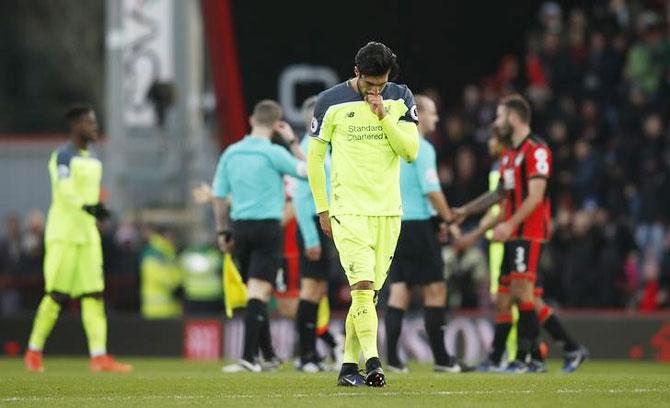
(73,269)
(366,246)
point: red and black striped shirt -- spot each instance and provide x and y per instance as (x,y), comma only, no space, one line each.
(531,159)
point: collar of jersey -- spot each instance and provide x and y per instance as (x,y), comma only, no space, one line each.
(522,142)
(258,139)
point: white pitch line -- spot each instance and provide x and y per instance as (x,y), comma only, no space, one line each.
(383,393)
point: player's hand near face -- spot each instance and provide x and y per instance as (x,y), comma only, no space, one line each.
(324,221)
(285,131)
(376,103)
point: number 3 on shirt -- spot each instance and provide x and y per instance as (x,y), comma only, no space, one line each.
(519,259)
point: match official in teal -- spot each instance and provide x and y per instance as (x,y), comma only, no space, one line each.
(249,201)
(418,256)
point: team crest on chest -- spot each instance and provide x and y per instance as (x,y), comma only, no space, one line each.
(413,113)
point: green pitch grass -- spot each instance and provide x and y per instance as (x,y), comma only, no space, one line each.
(173,382)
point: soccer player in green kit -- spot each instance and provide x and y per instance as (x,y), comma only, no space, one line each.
(73,259)
(370,124)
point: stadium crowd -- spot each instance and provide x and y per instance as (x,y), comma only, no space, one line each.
(599,83)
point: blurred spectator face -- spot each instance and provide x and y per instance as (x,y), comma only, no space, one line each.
(551,16)
(428,117)
(489,93)
(32,240)
(581,222)
(650,166)
(471,97)
(637,97)
(653,126)
(582,150)
(602,217)
(563,217)
(509,67)
(465,163)
(598,42)
(127,235)
(589,110)
(647,26)
(620,43)
(578,21)
(454,127)
(13,226)
(551,43)
(445,173)
(568,106)
(577,39)
(35,222)
(558,132)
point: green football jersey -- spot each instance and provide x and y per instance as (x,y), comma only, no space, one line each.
(75,181)
(365,171)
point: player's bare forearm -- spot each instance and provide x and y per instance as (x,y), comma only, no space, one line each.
(483,202)
(441,205)
(316,173)
(536,189)
(297,152)
(402,136)
(471,237)
(221,208)
(491,219)
(486,224)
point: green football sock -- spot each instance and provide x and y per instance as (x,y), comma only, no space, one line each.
(364,316)
(511,337)
(352,348)
(45,319)
(95,324)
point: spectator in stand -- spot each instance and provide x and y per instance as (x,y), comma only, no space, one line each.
(585,170)
(10,265)
(32,244)
(648,58)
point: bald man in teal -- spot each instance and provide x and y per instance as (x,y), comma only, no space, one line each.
(73,258)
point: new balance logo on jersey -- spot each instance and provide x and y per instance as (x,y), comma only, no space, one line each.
(351,114)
